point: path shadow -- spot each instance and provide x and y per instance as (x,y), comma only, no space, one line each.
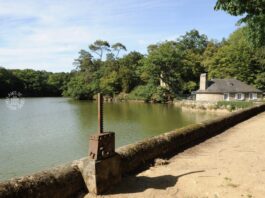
(134,184)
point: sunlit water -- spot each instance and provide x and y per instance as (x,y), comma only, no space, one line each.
(50,131)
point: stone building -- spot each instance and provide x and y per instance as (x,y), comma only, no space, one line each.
(225,89)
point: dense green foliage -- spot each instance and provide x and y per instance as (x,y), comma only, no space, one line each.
(253,12)
(149,93)
(178,64)
(234,105)
(32,83)
(111,76)
(235,58)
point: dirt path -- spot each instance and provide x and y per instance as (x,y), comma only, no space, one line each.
(231,164)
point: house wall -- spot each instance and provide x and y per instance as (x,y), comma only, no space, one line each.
(219,97)
(209,97)
(233,95)
(246,97)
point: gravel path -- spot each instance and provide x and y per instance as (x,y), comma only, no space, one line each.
(231,164)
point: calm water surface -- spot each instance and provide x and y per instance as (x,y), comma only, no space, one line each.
(50,131)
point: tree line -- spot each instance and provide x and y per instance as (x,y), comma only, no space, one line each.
(32,83)
(178,63)
(137,76)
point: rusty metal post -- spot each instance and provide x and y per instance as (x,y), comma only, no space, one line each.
(100,113)
(102,169)
(102,144)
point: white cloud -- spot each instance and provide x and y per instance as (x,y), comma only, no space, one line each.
(42,34)
(48,34)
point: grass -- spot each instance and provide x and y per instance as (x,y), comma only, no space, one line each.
(234,105)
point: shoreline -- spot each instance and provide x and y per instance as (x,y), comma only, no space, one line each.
(218,111)
(67,180)
(214,106)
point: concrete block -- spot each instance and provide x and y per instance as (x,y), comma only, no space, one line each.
(101,175)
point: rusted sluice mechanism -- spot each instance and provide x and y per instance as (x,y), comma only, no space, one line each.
(102,144)
(102,169)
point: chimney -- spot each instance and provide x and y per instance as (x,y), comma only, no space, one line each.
(203,81)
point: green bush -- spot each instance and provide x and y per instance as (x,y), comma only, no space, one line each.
(78,89)
(149,93)
(233,105)
(142,92)
(160,95)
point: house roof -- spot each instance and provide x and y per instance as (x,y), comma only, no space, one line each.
(228,86)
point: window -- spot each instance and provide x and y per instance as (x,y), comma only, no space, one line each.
(226,96)
(253,96)
(240,96)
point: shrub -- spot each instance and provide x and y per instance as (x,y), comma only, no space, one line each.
(160,95)
(149,93)
(233,105)
(142,92)
(78,89)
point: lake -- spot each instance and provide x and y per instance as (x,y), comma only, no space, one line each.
(47,132)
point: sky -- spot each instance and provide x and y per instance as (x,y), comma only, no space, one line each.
(48,34)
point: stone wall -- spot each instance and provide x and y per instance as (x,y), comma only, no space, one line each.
(142,152)
(67,181)
(60,182)
(209,97)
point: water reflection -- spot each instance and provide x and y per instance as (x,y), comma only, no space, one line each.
(51,131)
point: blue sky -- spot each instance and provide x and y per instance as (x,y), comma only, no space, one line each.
(47,34)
